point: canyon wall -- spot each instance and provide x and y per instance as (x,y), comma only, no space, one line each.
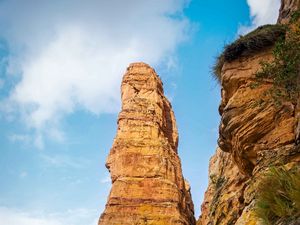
(288,7)
(259,129)
(252,137)
(147,182)
(255,133)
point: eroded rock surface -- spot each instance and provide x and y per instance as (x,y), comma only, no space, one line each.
(252,124)
(255,133)
(224,197)
(288,7)
(147,182)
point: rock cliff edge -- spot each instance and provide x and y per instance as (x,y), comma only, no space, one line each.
(259,126)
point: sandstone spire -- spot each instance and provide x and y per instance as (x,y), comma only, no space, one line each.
(147,182)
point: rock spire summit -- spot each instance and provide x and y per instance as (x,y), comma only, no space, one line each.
(147,182)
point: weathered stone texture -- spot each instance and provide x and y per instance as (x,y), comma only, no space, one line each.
(288,7)
(254,134)
(147,182)
(251,123)
(224,196)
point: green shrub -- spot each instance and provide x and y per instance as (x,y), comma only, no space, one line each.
(295,17)
(284,69)
(255,41)
(278,196)
(218,182)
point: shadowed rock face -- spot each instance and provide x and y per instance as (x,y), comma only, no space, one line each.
(147,182)
(223,200)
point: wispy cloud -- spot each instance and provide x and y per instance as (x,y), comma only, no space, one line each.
(37,138)
(262,12)
(24,138)
(9,216)
(23,174)
(14,217)
(60,160)
(73,59)
(105,180)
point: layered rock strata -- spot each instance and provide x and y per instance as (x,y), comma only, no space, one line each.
(288,7)
(147,182)
(255,134)
(252,137)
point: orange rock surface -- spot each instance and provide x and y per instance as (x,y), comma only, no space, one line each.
(252,137)
(286,10)
(147,182)
(255,134)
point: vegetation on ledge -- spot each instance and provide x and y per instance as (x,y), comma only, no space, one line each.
(261,38)
(278,196)
(284,70)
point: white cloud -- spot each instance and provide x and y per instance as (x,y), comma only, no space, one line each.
(9,216)
(25,139)
(71,55)
(23,174)
(105,180)
(36,139)
(262,12)
(13,217)
(64,161)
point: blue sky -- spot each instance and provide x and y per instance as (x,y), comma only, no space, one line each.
(61,64)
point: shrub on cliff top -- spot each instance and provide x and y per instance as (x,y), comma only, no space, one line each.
(278,196)
(263,37)
(284,69)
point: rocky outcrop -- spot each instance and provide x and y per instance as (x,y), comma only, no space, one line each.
(224,196)
(254,134)
(288,7)
(147,182)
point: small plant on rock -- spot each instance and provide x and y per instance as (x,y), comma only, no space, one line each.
(278,196)
(249,44)
(284,70)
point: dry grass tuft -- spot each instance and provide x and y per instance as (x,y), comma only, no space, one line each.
(261,38)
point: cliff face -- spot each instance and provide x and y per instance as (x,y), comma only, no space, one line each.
(252,137)
(259,133)
(223,200)
(147,182)
(287,9)
(255,133)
